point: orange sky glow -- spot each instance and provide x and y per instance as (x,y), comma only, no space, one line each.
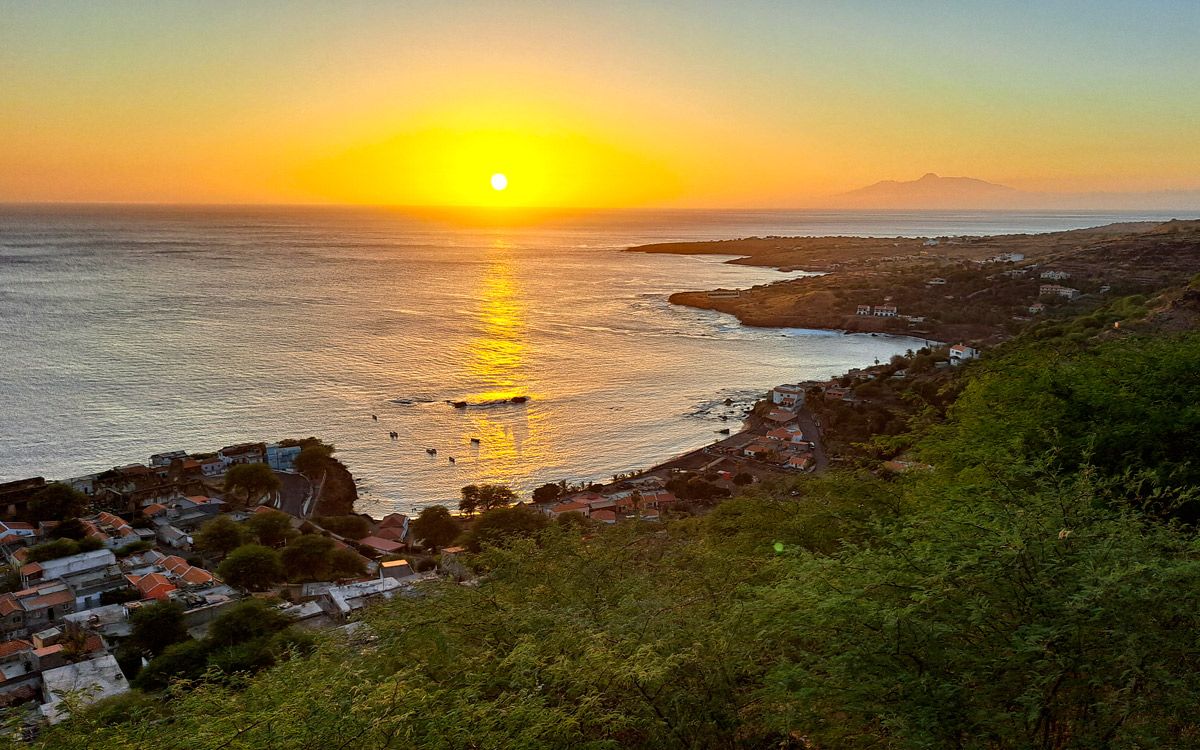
(587,104)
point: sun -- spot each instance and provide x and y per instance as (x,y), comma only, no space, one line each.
(499,181)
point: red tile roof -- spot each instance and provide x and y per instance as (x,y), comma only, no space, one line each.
(8,648)
(381,545)
(8,605)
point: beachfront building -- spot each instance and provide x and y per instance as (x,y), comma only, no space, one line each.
(788,395)
(243,453)
(282,457)
(863,310)
(885,311)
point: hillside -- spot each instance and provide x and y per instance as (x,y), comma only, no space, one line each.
(1038,587)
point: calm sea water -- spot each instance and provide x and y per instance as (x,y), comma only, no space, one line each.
(125,332)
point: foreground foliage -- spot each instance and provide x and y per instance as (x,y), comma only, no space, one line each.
(1022,594)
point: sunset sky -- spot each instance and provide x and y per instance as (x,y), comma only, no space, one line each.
(602,103)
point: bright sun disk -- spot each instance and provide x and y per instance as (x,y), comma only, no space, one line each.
(499,181)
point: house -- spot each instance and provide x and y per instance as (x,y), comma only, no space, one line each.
(165,459)
(380,545)
(152,585)
(282,457)
(1055,275)
(939,281)
(1056,289)
(781,415)
(398,569)
(604,516)
(173,537)
(571,506)
(960,353)
(64,567)
(1037,308)
(836,392)
(884,311)
(757,450)
(863,310)
(17,528)
(1009,258)
(798,461)
(35,608)
(243,453)
(344,600)
(110,621)
(212,467)
(788,395)
(89,681)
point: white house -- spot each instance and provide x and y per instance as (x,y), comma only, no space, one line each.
(939,281)
(282,458)
(788,395)
(1008,258)
(885,311)
(1055,289)
(863,310)
(88,680)
(960,353)
(1055,275)
(1037,308)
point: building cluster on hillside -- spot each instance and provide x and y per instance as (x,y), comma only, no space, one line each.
(62,625)
(645,498)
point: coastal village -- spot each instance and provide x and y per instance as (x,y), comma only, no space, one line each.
(71,597)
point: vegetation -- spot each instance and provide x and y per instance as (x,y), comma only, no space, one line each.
(219,537)
(349,527)
(250,636)
(1038,587)
(57,501)
(252,567)
(62,548)
(156,627)
(435,527)
(272,528)
(250,482)
(481,497)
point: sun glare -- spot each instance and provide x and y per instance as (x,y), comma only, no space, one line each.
(499,181)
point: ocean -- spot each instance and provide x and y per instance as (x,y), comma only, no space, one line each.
(126,331)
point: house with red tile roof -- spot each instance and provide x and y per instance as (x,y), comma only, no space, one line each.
(380,545)
(152,585)
(604,516)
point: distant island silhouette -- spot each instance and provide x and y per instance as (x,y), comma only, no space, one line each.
(932,191)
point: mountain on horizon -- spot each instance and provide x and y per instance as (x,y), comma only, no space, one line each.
(931,191)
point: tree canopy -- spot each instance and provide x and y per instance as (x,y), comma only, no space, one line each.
(481,497)
(252,567)
(251,482)
(57,502)
(218,537)
(435,527)
(271,528)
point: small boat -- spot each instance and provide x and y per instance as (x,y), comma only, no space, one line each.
(724,430)
(452,459)
(519,399)
(393,435)
(475,441)
(374,418)
(431,451)
(459,404)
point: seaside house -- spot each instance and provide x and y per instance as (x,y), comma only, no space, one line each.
(863,310)
(243,453)
(885,311)
(788,395)
(281,457)
(757,450)
(212,467)
(781,416)
(165,459)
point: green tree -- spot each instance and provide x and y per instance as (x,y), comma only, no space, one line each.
(350,527)
(547,493)
(271,528)
(56,502)
(219,537)
(72,528)
(344,563)
(251,482)
(312,459)
(306,558)
(501,525)
(435,527)
(157,626)
(187,659)
(252,567)
(246,621)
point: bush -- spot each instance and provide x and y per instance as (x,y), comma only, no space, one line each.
(252,567)
(350,527)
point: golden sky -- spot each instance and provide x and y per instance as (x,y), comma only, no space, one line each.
(699,104)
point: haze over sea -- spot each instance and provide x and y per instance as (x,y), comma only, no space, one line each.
(128,331)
